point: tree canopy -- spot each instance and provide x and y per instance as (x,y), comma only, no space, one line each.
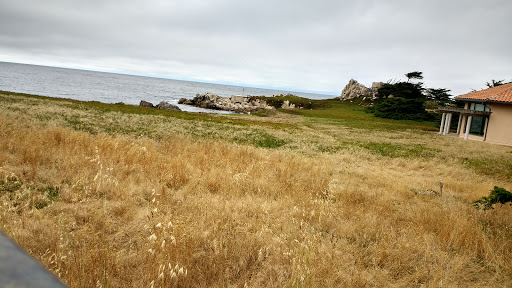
(401,100)
(495,83)
(440,96)
(402,89)
(406,100)
(414,75)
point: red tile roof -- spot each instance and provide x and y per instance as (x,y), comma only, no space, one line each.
(502,93)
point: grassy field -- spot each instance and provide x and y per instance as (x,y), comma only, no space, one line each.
(124,196)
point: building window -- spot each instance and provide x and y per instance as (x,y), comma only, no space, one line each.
(479,107)
(477,126)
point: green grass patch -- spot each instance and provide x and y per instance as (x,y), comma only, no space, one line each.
(335,112)
(490,166)
(260,139)
(394,150)
(77,124)
(268,141)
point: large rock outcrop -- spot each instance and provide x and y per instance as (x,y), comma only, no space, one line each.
(167,106)
(356,90)
(146,104)
(162,105)
(238,104)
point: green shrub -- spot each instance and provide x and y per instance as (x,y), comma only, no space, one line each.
(498,195)
(401,109)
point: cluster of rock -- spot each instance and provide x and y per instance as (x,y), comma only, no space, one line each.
(286,105)
(162,105)
(356,90)
(238,104)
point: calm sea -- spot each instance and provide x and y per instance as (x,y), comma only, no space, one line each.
(113,88)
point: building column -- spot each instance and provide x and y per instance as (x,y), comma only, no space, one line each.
(468,125)
(447,124)
(463,123)
(441,128)
(485,127)
(458,125)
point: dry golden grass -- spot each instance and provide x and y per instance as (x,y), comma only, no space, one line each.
(181,207)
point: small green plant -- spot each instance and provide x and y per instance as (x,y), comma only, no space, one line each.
(40,204)
(52,192)
(9,185)
(498,195)
(268,141)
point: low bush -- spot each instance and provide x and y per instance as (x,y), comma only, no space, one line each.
(299,102)
(498,195)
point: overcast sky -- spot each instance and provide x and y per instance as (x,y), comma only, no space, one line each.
(316,45)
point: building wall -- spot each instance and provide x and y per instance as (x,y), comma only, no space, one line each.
(499,130)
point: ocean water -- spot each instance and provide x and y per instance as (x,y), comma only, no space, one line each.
(113,88)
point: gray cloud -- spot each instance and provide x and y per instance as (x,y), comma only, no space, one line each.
(305,45)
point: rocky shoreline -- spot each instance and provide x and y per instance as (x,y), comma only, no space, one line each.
(237,104)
